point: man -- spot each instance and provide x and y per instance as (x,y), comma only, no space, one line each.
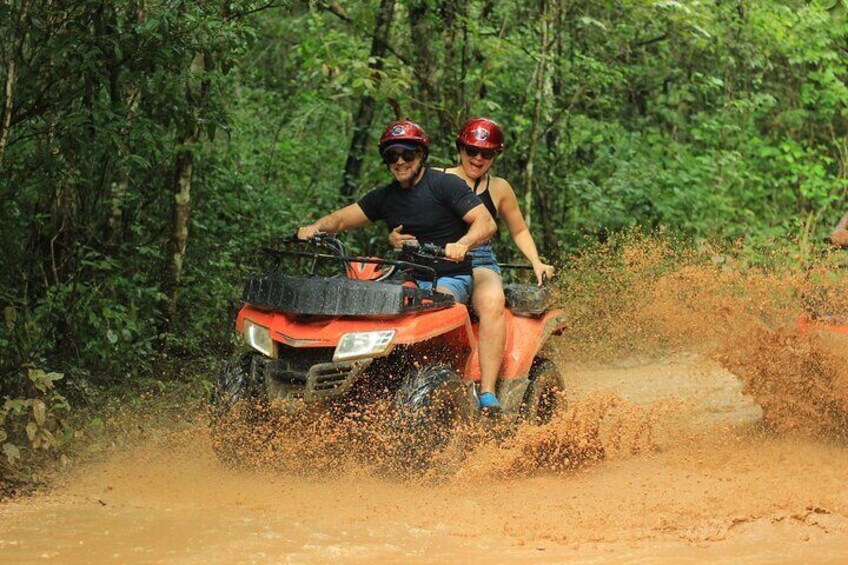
(429,205)
(839,236)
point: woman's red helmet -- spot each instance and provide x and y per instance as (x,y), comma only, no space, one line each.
(481,132)
(404,132)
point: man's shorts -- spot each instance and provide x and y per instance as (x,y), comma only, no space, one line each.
(484,256)
(459,285)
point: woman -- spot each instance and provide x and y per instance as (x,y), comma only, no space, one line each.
(479,142)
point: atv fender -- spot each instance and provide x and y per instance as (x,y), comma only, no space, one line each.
(525,337)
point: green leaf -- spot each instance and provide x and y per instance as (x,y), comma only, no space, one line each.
(10,315)
(112,337)
(31,430)
(16,405)
(12,452)
(586,20)
(39,411)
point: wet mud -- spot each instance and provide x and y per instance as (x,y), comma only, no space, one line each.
(685,473)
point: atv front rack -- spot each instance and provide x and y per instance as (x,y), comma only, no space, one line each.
(317,296)
(426,272)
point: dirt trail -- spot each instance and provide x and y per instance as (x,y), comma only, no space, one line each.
(709,486)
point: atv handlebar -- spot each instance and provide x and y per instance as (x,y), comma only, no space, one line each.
(336,252)
(410,254)
(429,251)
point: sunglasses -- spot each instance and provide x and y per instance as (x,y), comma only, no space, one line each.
(487,154)
(408,155)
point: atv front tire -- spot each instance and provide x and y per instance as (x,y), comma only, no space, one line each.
(429,406)
(238,410)
(545,394)
(235,383)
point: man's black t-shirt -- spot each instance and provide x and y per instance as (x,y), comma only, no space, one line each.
(431,210)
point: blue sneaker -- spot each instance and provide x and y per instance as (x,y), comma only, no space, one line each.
(489,403)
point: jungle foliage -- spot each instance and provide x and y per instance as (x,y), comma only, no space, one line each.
(148,148)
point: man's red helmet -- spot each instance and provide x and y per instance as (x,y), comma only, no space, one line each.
(483,133)
(405,133)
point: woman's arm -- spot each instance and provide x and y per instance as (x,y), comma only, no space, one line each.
(839,236)
(507,206)
(843,223)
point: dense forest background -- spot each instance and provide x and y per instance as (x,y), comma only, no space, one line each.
(148,148)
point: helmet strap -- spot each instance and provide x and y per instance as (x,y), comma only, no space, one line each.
(420,167)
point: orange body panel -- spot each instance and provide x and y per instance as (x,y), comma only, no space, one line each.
(523,338)
(326,332)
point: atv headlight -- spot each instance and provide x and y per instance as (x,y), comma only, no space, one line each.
(359,345)
(259,338)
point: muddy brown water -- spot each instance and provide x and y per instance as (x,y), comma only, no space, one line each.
(688,476)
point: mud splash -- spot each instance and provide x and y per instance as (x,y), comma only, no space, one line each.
(598,427)
(771,323)
(801,381)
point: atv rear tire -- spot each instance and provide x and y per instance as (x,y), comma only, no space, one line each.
(429,405)
(238,409)
(545,394)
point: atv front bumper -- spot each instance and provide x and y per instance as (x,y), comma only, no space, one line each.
(298,379)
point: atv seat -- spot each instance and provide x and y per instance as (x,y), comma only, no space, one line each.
(527,299)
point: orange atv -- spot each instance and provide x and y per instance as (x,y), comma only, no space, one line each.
(323,341)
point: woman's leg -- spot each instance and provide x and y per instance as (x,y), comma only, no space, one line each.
(488,301)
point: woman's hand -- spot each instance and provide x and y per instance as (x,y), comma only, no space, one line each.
(543,272)
(397,239)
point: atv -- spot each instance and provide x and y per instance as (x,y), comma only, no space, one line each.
(368,332)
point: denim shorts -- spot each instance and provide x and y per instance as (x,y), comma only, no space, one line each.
(484,256)
(459,285)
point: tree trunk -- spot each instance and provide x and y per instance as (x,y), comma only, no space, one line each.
(452,100)
(11,80)
(365,112)
(549,200)
(537,114)
(425,58)
(175,250)
(119,187)
(124,101)
(183,168)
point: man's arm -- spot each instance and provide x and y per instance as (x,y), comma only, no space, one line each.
(481,227)
(348,218)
